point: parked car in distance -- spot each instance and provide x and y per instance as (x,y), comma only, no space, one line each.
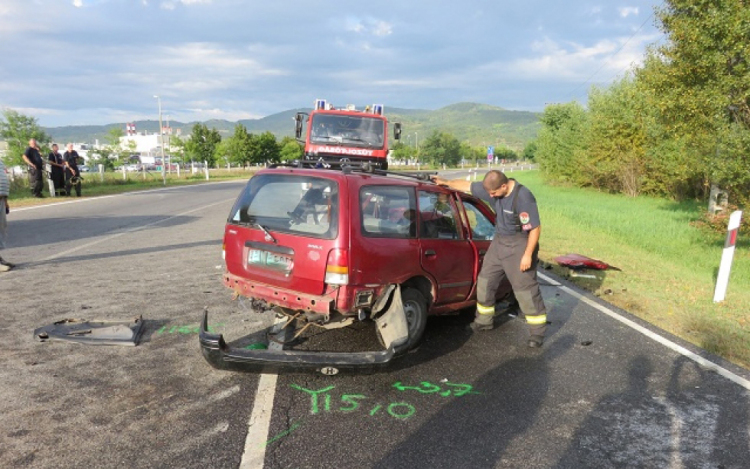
(333,247)
(84,168)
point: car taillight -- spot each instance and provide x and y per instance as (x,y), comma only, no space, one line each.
(337,267)
(224,251)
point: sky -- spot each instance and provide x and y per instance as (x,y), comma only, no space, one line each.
(95,62)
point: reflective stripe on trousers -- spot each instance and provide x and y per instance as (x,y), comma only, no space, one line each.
(503,260)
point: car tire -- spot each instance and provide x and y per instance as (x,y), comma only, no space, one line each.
(415,308)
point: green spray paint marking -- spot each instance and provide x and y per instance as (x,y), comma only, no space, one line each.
(351,403)
(283,434)
(401,415)
(426,387)
(314,397)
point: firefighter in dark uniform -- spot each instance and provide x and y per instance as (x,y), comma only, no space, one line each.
(72,173)
(33,159)
(513,253)
(56,169)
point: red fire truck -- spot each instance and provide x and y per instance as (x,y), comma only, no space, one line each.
(335,136)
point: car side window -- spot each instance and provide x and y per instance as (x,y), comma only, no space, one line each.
(388,212)
(438,216)
(481,226)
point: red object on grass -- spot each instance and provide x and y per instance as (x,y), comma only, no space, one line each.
(578,261)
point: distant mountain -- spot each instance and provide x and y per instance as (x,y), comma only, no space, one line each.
(477,124)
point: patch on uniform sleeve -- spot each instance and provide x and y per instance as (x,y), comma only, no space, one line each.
(524,217)
(526,227)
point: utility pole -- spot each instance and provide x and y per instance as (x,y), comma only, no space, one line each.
(161,138)
(416,143)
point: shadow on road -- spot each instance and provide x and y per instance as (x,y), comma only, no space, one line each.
(41,231)
(475,432)
(127,252)
(693,424)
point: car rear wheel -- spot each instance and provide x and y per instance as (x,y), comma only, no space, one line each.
(415,309)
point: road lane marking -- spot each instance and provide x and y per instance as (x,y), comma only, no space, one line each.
(122,233)
(259,424)
(656,337)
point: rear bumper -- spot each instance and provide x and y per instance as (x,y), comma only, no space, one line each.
(323,304)
(219,355)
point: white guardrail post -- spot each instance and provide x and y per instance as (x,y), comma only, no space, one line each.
(205,166)
(722,280)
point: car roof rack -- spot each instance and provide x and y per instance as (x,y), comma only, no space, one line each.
(364,167)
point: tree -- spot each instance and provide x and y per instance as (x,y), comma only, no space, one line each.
(202,144)
(472,154)
(441,148)
(563,142)
(114,145)
(699,80)
(529,151)
(239,148)
(17,129)
(267,150)
(403,152)
(290,149)
(176,147)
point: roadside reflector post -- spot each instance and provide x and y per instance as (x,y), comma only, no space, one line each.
(205,165)
(101,172)
(722,280)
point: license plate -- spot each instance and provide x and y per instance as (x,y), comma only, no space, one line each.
(270,260)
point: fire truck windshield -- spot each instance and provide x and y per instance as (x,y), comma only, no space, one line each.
(355,131)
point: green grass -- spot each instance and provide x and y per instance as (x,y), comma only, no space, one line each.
(669,266)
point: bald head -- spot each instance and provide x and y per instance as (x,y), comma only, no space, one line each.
(493,180)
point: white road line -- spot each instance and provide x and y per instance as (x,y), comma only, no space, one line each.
(131,230)
(124,194)
(656,337)
(254,454)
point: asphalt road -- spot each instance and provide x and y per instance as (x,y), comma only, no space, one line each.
(601,393)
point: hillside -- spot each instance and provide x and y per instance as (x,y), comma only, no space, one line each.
(478,124)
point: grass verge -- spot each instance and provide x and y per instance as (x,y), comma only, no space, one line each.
(668,266)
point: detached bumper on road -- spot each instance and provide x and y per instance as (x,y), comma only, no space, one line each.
(219,355)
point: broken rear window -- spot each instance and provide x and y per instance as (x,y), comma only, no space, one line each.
(303,205)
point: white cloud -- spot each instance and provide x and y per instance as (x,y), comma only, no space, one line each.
(370,26)
(627,11)
(552,60)
(78,3)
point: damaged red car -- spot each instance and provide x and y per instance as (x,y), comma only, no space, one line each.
(330,248)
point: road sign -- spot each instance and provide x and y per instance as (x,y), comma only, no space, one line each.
(490,153)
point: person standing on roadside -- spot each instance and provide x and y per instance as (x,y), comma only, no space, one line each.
(72,174)
(33,159)
(513,253)
(57,169)
(4,210)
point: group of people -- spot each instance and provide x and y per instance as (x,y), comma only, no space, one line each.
(64,172)
(513,253)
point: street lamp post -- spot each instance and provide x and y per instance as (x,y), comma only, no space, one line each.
(161,142)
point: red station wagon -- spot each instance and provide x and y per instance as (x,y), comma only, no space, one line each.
(331,247)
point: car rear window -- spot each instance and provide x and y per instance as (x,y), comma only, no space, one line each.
(303,205)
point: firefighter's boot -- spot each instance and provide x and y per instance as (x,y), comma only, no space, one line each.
(484,319)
